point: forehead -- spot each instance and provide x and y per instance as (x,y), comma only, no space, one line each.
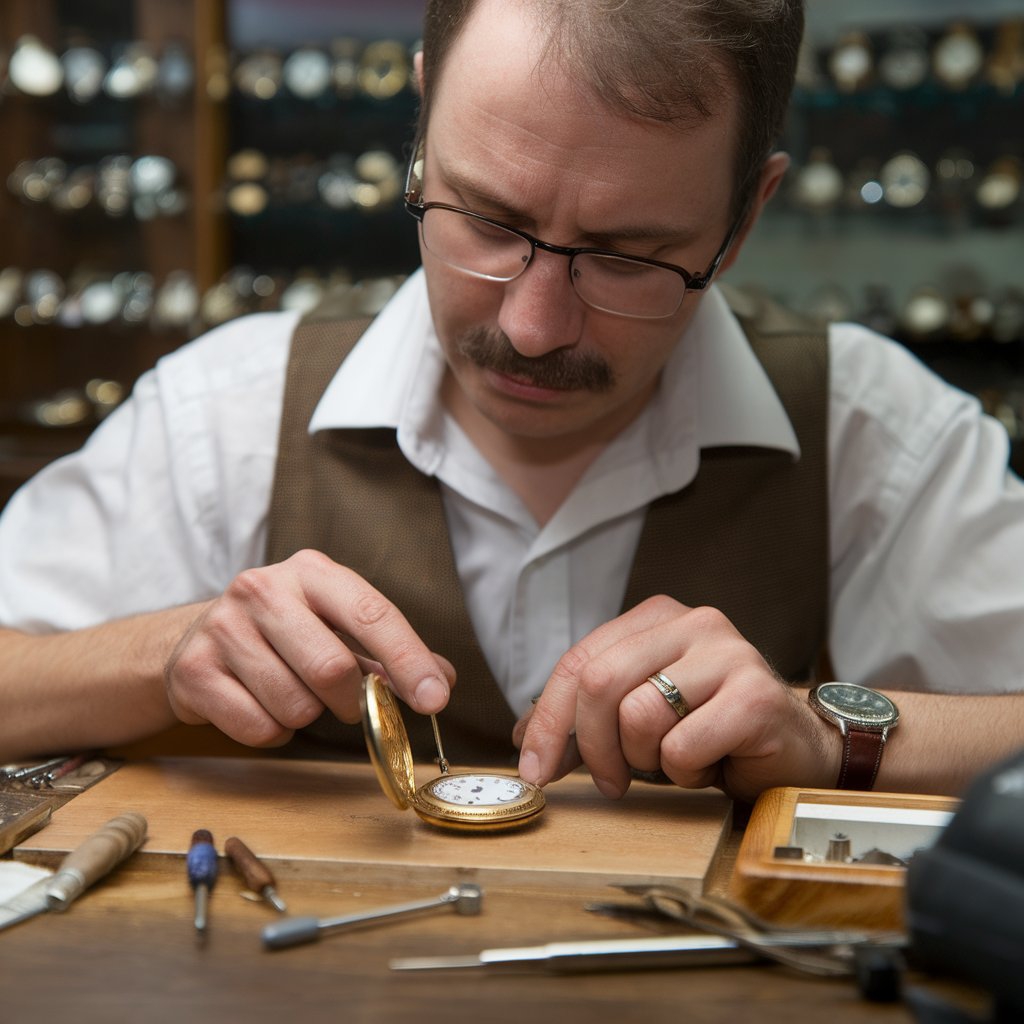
(505,110)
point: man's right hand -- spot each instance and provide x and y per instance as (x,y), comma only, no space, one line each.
(286,641)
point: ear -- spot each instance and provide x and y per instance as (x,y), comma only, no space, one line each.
(772,173)
(417,71)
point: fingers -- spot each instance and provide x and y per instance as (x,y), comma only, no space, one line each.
(350,606)
(583,694)
(743,729)
(569,761)
(285,642)
(645,717)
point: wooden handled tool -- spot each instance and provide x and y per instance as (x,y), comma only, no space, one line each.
(254,872)
(94,858)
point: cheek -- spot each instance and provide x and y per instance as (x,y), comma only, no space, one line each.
(636,352)
(457,300)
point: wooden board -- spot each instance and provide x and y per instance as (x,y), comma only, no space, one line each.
(327,820)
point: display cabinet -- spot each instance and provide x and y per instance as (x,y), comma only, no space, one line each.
(903,206)
(110,147)
(166,165)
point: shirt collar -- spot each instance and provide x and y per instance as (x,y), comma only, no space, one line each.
(397,361)
(737,404)
(714,392)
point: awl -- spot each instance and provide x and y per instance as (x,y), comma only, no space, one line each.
(95,857)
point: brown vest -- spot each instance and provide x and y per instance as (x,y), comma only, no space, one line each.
(748,536)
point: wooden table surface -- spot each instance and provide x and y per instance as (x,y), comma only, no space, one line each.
(127,951)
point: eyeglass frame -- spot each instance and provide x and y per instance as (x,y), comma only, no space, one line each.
(417,209)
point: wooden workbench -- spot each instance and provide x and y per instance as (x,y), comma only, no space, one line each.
(127,949)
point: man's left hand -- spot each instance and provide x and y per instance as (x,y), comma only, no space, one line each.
(743,728)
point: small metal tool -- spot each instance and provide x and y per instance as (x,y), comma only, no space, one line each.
(66,767)
(254,872)
(465,899)
(87,863)
(30,770)
(596,955)
(201,865)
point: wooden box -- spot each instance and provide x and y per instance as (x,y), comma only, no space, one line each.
(830,858)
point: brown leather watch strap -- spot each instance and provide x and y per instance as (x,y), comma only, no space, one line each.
(862,754)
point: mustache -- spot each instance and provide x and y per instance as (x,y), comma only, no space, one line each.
(560,369)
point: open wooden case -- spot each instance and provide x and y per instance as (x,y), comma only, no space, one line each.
(833,858)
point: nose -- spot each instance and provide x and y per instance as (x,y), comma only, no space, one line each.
(540,311)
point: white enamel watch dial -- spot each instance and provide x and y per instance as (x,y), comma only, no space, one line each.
(477,790)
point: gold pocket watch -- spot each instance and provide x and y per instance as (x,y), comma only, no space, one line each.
(466,801)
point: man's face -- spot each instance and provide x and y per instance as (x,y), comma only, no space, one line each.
(515,142)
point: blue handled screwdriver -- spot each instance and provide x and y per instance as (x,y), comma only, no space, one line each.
(201,864)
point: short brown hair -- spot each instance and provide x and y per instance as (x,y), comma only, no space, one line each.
(666,60)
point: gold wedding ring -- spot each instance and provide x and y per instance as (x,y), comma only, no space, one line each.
(670,692)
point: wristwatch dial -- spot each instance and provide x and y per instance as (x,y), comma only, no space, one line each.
(851,62)
(383,69)
(905,180)
(864,719)
(926,313)
(477,801)
(859,706)
(958,56)
(34,68)
(307,73)
(905,62)
(259,75)
(818,185)
(84,71)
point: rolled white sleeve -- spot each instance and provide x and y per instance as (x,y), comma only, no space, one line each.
(927,528)
(167,500)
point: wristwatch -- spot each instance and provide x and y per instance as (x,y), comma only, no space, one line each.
(864,717)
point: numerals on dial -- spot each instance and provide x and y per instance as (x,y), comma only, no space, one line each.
(478,790)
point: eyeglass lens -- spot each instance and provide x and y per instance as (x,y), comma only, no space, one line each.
(611,283)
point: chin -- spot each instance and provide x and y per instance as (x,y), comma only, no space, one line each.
(535,425)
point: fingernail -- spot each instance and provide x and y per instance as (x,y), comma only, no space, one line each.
(431,695)
(607,788)
(529,768)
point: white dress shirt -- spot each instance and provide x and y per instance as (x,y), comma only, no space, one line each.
(168,499)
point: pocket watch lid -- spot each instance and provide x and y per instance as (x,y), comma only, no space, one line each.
(387,741)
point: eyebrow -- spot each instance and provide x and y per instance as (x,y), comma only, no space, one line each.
(489,205)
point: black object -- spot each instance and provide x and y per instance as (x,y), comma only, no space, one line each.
(879,971)
(965,895)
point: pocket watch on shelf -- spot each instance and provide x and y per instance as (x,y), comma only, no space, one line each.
(464,801)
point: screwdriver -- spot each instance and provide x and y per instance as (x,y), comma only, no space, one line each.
(201,864)
(254,872)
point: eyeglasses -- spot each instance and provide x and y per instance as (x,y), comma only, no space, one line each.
(631,286)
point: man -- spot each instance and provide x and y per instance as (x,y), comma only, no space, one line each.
(554,459)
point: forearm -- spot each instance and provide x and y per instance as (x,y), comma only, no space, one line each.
(942,741)
(87,688)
